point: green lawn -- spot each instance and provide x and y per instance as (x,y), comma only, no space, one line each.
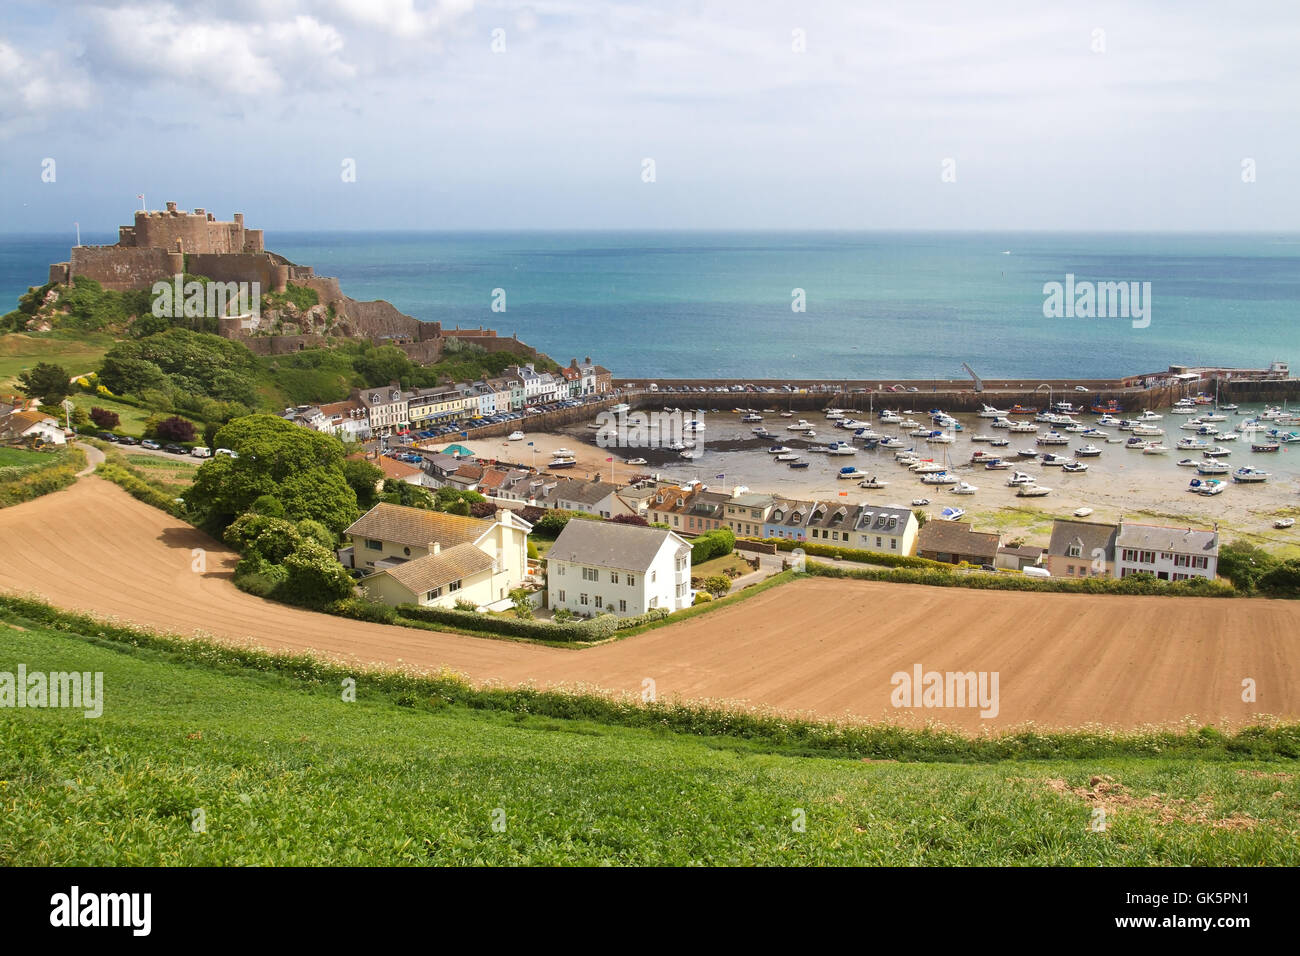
(285,772)
(720,565)
(19,456)
(79,353)
(131,419)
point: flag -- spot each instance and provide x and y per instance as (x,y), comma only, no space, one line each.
(844,494)
(464,434)
(719,476)
(141,196)
(530,444)
(609,459)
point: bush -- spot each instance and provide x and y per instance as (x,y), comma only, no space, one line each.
(532,550)
(712,544)
(268,506)
(104,418)
(702,597)
(886,558)
(29,483)
(463,605)
(315,577)
(360,609)
(717,584)
(1244,564)
(176,429)
(138,488)
(1282,581)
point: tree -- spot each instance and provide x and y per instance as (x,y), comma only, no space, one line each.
(268,505)
(522,605)
(1283,580)
(399,492)
(382,365)
(717,584)
(1244,564)
(921,517)
(176,429)
(104,418)
(300,467)
(50,383)
(363,478)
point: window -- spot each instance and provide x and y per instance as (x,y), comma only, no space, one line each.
(1075,550)
(1146,557)
(1201,562)
(893,544)
(600,601)
(431,595)
(877,542)
(1182,560)
(1069,569)
(582,598)
(654,576)
(590,574)
(631,580)
(374,545)
(454,586)
(622,606)
(559,568)
(613,577)
(561,595)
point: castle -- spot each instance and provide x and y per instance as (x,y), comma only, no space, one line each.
(167,243)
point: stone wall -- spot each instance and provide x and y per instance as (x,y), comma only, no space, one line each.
(200,232)
(240,267)
(119,268)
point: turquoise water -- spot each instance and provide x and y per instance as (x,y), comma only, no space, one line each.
(879,305)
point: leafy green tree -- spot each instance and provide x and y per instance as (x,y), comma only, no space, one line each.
(717,584)
(1244,564)
(300,467)
(315,576)
(268,505)
(382,365)
(48,382)
(400,492)
(1283,580)
(315,531)
(124,375)
(363,478)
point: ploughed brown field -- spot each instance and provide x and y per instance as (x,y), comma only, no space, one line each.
(819,646)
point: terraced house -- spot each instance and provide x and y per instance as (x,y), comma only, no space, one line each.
(788,520)
(386,409)
(746,513)
(598,567)
(1081,549)
(432,558)
(885,528)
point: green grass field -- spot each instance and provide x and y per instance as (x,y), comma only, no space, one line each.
(77,352)
(131,419)
(286,772)
(20,456)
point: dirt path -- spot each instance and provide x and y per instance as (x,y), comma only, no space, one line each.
(94,458)
(828,647)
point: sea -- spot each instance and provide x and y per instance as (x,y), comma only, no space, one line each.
(810,305)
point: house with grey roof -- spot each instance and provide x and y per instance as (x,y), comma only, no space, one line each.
(598,567)
(1171,554)
(890,528)
(1081,549)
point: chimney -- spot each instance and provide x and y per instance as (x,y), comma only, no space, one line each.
(171,207)
(434,547)
(239,219)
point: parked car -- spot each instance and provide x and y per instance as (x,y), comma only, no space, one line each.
(174,449)
(150,443)
(106,436)
(226,451)
(201,451)
(128,440)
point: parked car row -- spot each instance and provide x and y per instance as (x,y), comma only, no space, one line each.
(455,428)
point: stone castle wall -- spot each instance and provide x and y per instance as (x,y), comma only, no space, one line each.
(199,232)
(237,267)
(117,268)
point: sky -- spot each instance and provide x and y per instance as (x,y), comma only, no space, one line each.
(466,115)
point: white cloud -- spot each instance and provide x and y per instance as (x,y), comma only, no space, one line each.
(29,87)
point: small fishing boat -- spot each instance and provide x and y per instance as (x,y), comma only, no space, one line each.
(799,426)
(1155,448)
(840,448)
(751,418)
(939,478)
(872,482)
(920,502)
(926,467)
(988,411)
(691,455)
(1074,467)
(1022,410)
(1187,462)
(799,464)
(1032,491)
(515,436)
(1108,421)
(1147,431)
(1250,476)
(1087,451)
(1192,444)
(778,450)
(1052,438)
(850,472)
(1211,468)
(1216,452)
(1003,423)
(1054,460)
(1026,453)
(635,461)
(1284,522)
(892,443)
(1000,442)
(1024,428)
(1136,444)
(1207,486)
(563,453)
(788,456)
(981,438)
(1149,416)
(952,514)
(1019,478)
(964,489)
(1082,512)
(562,463)
(1264,446)
(787,414)
(996,464)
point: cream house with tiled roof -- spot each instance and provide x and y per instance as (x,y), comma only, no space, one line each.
(429,557)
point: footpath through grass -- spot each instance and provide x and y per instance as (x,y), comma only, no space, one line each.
(284,771)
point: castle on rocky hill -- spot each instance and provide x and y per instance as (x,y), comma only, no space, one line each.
(167,243)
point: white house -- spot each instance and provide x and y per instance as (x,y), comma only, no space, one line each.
(1171,554)
(432,558)
(889,528)
(386,408)
(596,567)
(23,426)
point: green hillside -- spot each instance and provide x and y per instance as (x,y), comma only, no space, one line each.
(286,772)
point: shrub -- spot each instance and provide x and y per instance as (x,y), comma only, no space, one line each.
(717,584)
(138,488)
(712,544)
(463,605)
(532,550)
(702,597)
(361,609)
(269,506)
(105,418)
(315,577)
(886,558)
(29,483)
(1282,580)
(1244,564)
(176,429)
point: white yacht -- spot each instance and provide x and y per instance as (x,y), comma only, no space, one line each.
(964,489)
(1250,475)
(1019,478)
(988,411)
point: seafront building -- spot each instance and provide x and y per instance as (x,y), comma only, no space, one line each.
(1171,554)
(599,567)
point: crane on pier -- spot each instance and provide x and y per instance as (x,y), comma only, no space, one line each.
(979,384)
